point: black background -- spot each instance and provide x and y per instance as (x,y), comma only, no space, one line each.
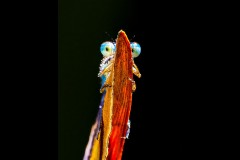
(173,112)
(170,113)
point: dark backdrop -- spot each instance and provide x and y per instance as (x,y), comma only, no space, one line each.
(179,109)
(169,111)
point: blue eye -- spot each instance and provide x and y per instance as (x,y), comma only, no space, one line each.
(136,49)
(107,48)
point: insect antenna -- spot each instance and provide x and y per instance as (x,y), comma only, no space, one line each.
(132,38)
(109,36)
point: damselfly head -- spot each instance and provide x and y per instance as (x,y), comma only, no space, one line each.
(108,49)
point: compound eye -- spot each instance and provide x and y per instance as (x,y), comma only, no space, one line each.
(107,48)
(136,49)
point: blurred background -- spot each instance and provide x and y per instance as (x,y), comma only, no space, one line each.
(167,104)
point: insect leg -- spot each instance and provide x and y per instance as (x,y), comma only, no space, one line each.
(128,131)
(136,71)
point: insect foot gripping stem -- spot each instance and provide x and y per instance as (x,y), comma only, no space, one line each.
(104,87)
(133,85)
(128,131)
